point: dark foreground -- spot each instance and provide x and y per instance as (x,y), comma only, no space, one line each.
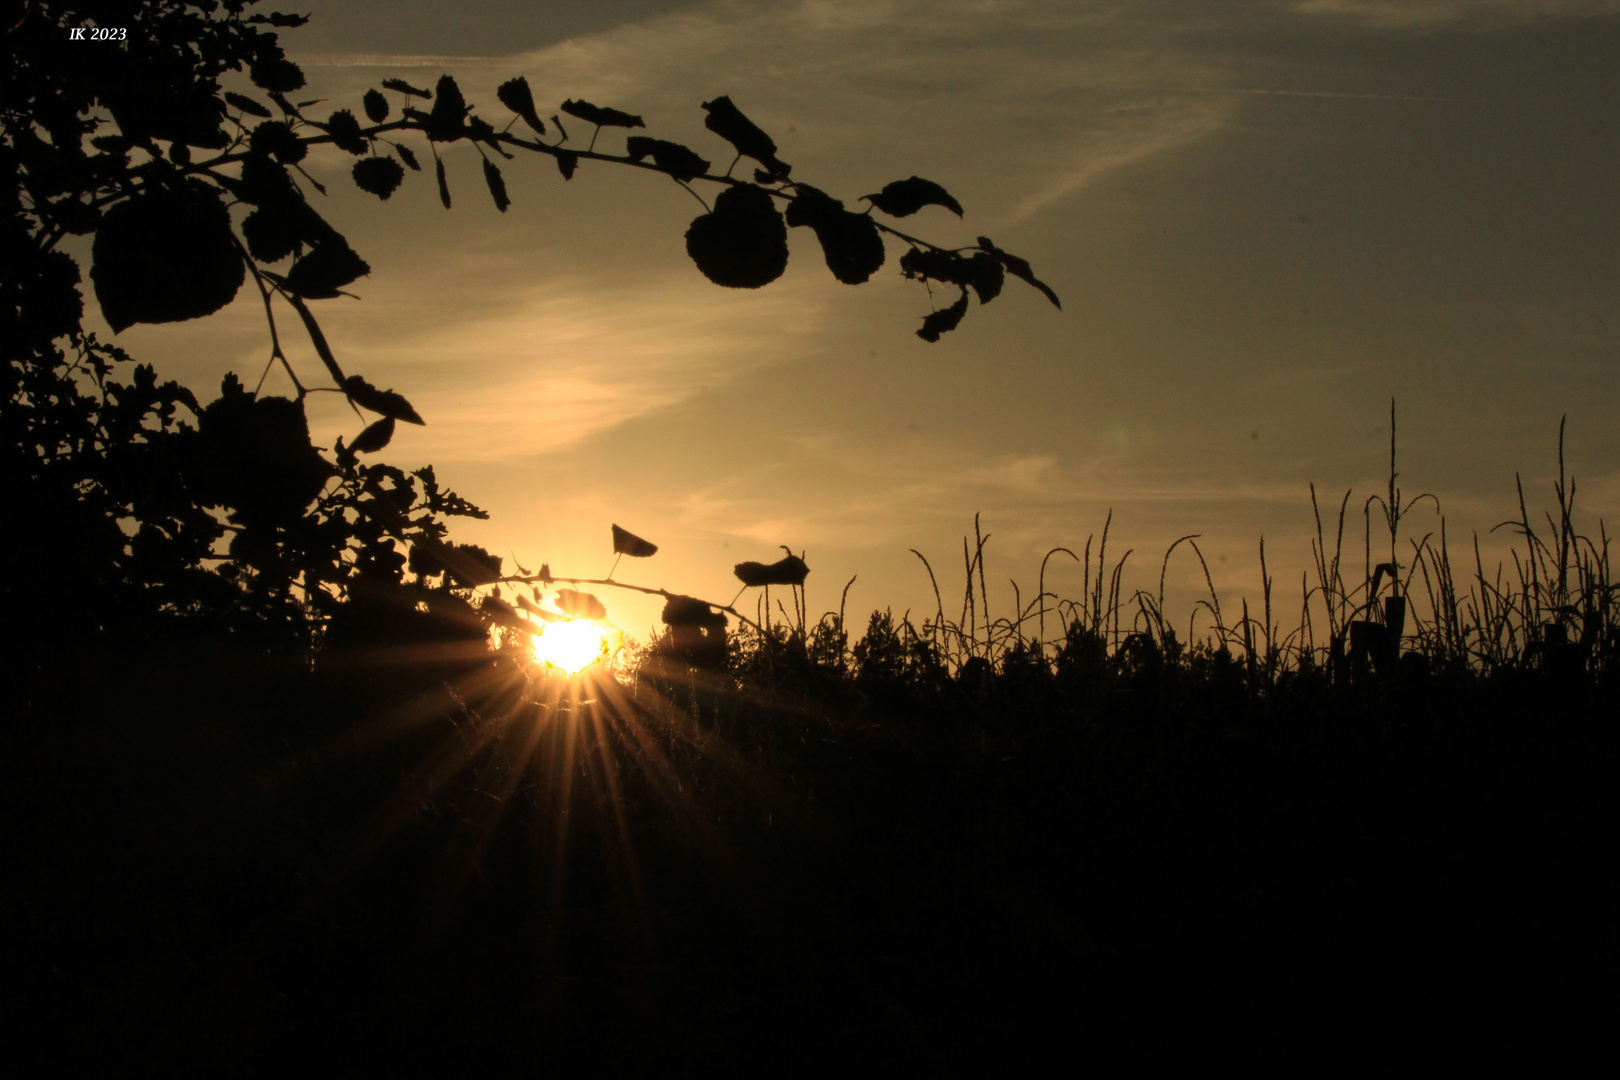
(218,866)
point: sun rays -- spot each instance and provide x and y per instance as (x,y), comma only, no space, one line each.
(581,756)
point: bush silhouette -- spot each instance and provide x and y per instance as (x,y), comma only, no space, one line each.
(191,192)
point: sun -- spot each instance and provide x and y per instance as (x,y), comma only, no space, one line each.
(575,645)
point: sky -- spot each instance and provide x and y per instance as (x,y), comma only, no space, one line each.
(1265,218)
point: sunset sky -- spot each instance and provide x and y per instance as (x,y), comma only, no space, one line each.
(1265,218)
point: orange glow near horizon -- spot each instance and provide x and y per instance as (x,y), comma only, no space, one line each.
(576,644)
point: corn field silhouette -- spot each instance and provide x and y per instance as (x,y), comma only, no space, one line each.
(1409,615)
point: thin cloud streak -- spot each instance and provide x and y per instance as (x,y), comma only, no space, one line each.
(1262,92)
(864,496)
(922,71)
(1123,148)
(384,60)
(486,373)
(562,364)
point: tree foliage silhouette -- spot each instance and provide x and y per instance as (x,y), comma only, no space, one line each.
(191,191)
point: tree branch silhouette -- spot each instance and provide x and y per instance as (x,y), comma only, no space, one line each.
(188,190)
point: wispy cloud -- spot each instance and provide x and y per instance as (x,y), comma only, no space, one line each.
(560,362)
(833,489)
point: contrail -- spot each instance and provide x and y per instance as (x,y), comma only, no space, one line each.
(1288,93)
(385,61)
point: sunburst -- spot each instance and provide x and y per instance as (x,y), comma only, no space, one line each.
(573,645)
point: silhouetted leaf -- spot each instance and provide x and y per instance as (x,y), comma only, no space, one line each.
(263,182)
(728,122)
(905,197)
(423,559)
(407,157)
(270,236)
(810,205)
(743,243)
(497,186)
(479,130)
(112,144)
(73,216)
(581,605)
(286,219)
(502,613)
(49,296)
(405,88)
(276,18)
(690,611)
(788,571)
(378,175)
(447,121)
(276,138)
(345,132)
(945,319)
(1018,268)
(165,255)
(149,103)
(850,242)
(287,108)
(247,104)
(987,276)
(443,501)
(600,115)
(383,402)
(675,159)
(255,456)
(374,437)
(276,74)
(469,565)
(940,265)
(444,187)
(515,95)
(325,269)
(313,328)
(534,609)
(376,106)
(628,543)
(567,162)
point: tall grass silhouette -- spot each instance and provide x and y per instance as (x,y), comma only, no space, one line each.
(1409,611)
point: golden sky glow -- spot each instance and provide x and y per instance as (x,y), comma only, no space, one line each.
(1265,219)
